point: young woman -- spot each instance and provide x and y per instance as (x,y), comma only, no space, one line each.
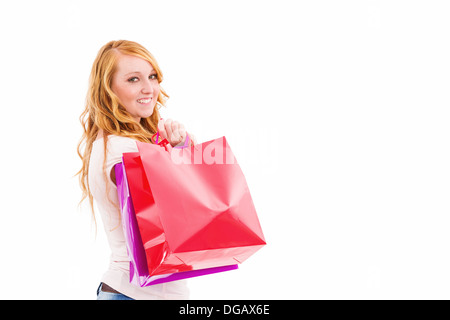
(122,105)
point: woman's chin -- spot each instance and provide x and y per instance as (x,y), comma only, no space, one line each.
(146,113)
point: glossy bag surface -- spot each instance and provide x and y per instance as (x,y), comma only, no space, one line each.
(193,207)
(139,273)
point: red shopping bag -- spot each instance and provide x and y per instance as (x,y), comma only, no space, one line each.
(139,274)
(193,207)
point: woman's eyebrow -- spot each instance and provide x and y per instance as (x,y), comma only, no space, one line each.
(151,71)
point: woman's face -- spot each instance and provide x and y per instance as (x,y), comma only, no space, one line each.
(135,83)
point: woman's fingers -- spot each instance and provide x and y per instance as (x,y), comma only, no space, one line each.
(173,131)
(181,134)
(162,130)
(168,129)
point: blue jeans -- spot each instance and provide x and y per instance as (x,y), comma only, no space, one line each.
(102,295)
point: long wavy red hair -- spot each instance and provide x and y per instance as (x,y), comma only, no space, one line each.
(103,110)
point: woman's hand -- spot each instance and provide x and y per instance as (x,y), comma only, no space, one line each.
(173,131)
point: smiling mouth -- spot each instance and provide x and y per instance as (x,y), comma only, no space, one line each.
(144,101)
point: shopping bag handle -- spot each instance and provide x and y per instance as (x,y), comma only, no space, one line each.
(164,142)
(185,145)
(161,143)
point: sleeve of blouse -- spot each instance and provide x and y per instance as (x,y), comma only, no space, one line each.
(116,147)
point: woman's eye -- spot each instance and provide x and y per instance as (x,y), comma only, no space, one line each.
(153,76)
(134,79)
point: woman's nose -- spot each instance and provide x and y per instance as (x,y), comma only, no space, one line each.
(148,87)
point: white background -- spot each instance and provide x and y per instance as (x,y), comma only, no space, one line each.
(337,111)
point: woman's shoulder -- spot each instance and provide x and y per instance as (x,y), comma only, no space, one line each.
(122,143)
(118,144)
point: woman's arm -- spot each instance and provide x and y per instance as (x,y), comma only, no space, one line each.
(173,131)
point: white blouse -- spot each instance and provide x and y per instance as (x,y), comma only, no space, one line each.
(118,274)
